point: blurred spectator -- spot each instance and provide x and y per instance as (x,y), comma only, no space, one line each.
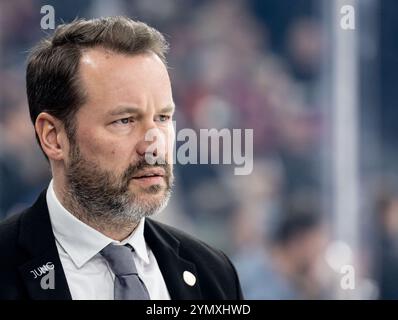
(286,267)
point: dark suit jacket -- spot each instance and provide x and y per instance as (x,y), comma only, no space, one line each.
(27,242)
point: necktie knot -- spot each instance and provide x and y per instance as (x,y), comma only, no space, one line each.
(120,259)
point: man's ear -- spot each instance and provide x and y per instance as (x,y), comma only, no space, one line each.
(52,136)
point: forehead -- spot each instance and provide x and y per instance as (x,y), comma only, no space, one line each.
(111,78)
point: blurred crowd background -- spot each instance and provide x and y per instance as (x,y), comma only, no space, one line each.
(255,64)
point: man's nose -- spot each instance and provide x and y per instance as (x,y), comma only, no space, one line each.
(152,145)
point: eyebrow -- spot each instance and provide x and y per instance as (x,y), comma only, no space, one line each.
(121,110)
(168,109)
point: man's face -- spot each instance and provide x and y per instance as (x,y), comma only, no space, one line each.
(106,172)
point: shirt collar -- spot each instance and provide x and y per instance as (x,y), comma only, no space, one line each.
(82,242)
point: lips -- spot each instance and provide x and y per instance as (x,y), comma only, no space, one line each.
(152,172)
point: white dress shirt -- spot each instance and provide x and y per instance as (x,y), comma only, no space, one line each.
(87,272)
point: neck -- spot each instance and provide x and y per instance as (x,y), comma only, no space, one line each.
(116,229)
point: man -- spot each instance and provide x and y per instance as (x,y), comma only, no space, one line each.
(96,89)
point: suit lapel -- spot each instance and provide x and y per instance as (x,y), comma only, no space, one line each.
(37,238)
(166,250)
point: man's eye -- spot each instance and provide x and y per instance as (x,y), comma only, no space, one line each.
(163,118)
(123,121)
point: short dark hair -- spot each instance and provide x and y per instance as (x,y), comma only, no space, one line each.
(294,225)
(52,79)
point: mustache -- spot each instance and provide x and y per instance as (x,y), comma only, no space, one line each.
(133,169)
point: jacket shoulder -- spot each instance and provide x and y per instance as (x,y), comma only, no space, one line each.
(211,263)
(9,235)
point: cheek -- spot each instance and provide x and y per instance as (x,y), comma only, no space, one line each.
(118,154)
(110,151)
(93,146)
(101,148)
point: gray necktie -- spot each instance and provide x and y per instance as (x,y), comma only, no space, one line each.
(128,285)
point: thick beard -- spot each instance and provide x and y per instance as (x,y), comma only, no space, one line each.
(104,201)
